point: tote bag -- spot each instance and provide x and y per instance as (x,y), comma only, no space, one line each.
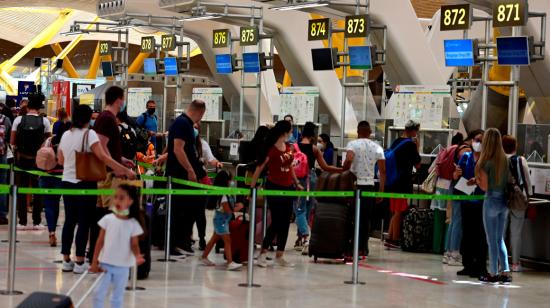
(88,166)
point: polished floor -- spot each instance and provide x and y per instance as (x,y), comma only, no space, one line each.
(392,279)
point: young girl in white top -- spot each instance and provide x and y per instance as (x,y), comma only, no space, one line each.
(117,247)
(225,206)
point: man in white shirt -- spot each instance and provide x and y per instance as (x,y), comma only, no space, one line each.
(361,157)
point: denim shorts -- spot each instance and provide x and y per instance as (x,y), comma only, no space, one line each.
(221,223)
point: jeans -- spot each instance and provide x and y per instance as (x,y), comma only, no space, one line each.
(454,232)
(79,210)
(302,206)
(3,180)
(51,202)
(517,218)
(281,210)
(495,215)
(23,179)
(115,276)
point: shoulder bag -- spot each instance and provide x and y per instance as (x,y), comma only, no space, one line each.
(88,166)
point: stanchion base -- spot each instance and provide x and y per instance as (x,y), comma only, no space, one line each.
(57,261)
(7,241)
(136,289)
(358,282)
(167,260)
(14,292)
(246,285)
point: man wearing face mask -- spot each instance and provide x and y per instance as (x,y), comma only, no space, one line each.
(148,120)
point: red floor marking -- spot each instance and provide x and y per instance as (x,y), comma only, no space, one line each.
(32,269)
(376,268)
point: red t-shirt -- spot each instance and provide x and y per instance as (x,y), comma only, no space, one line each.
(279,166)
(105,125)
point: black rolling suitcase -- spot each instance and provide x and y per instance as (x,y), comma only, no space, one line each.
(417,230)
(329,235)
(145,249)
(46,300)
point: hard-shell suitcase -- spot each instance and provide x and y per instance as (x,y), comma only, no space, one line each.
(145,249)
(46,300)
(418,230)
(239,239)
(329,236)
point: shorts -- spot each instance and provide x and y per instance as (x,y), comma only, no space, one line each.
(398,205)
(221,223)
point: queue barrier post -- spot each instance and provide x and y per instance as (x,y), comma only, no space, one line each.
(168,224)
(355,268)
(133,281)
(251,232)
(10,283)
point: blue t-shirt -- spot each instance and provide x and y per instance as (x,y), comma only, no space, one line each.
(182,128)
(468,165)
(150,123)
(328,155)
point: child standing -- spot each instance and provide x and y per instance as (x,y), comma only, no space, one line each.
(117,247)
(225,206)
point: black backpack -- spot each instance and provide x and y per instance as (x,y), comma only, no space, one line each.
(128,140)
(30,135)
(142,136)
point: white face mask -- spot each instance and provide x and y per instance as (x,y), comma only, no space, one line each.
(320,146)
(476,146)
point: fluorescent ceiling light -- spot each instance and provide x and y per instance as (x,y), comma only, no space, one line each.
(299,6)
(201,17)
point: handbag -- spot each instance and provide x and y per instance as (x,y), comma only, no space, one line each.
(45,157)
(88,166)
(428,186)
(516,199)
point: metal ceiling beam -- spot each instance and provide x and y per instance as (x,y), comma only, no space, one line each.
(94,65)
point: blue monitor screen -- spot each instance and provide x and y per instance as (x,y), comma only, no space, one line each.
(360,58)
(224,64)
(170,66)
(150,66)
(107,68)
(459,52)
(251,62)
(513,50)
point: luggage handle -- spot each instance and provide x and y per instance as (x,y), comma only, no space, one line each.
(89,291)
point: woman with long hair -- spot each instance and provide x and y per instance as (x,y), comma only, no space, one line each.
(492,176)
(327,148)
(280,176)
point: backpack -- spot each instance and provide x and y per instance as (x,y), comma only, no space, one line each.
(300,163)
(516,198)
(392,171)
(129,141)
(45,157)
(142,136)
(445,165)
(3,144)
(30,135)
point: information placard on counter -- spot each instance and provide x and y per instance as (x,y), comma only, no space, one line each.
(213,99)
(301,103)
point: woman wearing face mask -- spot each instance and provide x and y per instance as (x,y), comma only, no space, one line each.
(327,148)
(280,176)
(474,245)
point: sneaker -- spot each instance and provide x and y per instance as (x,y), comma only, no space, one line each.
(187,251)
(283,263)
(446,256)
(454,261)
(39,227)
(67,266)
(22,227)
(206,261)
(177,254)
(262,260)
(53,240)
(517,268)
(233,266)
(80,269)
(305,250)
(489,279)
(298,245)
(505,279)
(202,244)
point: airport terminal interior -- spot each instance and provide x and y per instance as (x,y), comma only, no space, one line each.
(379,111)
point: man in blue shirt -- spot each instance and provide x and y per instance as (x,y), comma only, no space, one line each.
(148,120)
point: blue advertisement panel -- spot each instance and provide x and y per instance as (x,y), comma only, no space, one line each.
(459,52)
(224,64)
(360,58)
(170,66)
(24,88)
(513,50)
(150,66)
(251,62)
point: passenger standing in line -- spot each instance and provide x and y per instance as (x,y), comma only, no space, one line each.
(362,156)
(474,244)
(149,121)
(492,173)
(407,157)
(5,129)
(80,209)
(183,163)
(327,148)
(295,135)
(520,172)
(280,176)
(107,131)
(302,205)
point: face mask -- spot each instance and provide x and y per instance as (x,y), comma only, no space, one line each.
(321,146)
(476,146)
(151,111)
(196,132)
(92,122)
(232,184)
(123,106)
(125,212)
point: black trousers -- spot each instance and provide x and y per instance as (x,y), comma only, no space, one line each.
(474,242)
(366,214)
(186,210)
(23,179)
(281,210)
(95,228)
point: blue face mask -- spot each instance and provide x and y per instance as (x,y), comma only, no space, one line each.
(92,122)
(196,132)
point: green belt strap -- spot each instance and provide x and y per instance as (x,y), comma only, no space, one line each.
(36,172)
(4,166)
(421,196)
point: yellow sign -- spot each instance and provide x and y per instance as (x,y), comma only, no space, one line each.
(455,17)
(318,29)
(510,13)
(220,38)
(249,36)
(148,44)
(356,26)
(104,48)
(168,42)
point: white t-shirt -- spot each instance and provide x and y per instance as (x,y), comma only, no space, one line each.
(17,121)
(367,154)
(206,152)
(117,249)
(69,144)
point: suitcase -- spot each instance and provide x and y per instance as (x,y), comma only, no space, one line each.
(344,181)
(417,230)
(145,249)
(46,300)
(239,239)
(158,224)
(329,235)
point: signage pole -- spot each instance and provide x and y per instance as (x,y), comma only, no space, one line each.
(485,76)
(344,98)
(514,92)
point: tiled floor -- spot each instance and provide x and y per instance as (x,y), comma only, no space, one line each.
(393,279)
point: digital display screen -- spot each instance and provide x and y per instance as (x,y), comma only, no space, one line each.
(360,57)
(107,68)
(170,66)
(513,50)
(324,59)
(251,61)
(459,52)
(150,66)
(224,64)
